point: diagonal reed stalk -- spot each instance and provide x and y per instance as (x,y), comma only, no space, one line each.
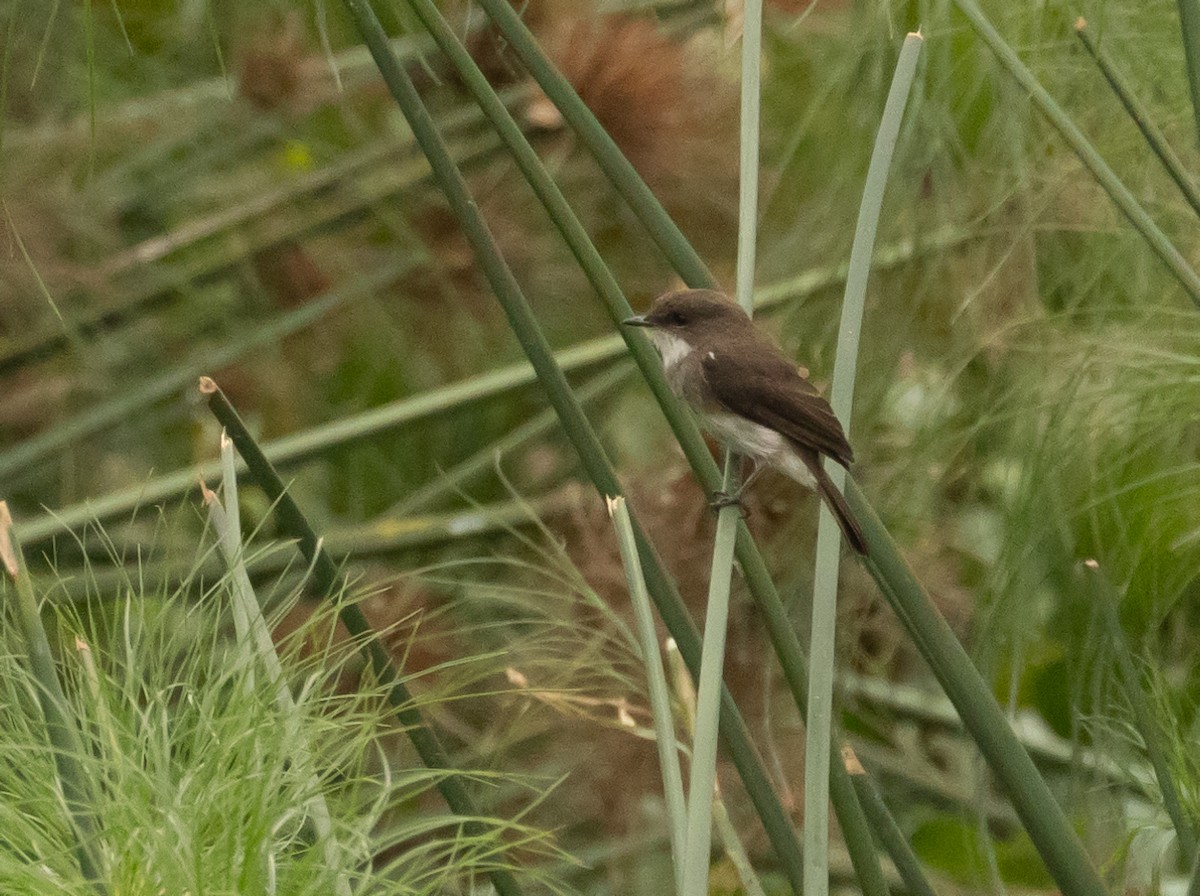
(61,726)
(1042,817)
(1120,194)
(620,173)
(328,583)
(1154,137)
(885,827)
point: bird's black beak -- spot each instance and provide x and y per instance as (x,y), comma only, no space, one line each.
(638,320)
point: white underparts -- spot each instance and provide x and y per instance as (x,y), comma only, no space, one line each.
(761,444)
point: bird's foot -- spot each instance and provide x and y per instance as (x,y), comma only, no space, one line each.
(722,499)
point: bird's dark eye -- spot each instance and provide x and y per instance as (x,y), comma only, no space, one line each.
(675,319)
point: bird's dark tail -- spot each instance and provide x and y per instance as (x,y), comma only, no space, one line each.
(837,503)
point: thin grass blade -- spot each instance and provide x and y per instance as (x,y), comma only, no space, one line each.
(660,697)
(1154,137)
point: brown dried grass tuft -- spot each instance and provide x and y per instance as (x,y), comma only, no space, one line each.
(668,107)
(665,103)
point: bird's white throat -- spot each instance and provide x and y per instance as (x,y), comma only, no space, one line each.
(672,348)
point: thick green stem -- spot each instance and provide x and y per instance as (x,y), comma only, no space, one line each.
(1043,818)
(612,161)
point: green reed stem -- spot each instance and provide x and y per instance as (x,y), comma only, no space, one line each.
(1083,148)
(1155,138)
(1051,834)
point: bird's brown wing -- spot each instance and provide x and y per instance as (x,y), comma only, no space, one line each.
(765,388)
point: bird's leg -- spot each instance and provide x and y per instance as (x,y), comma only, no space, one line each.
(723,499)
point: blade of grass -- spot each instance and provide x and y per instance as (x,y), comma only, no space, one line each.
(819,734)
(1051,834)
(1105,597)
(327,581)
(61,729)
(1189,25)
(66,329)
(703,778)
(660,698)
(255,643)
(1155,138)
(1083,148)
(574,422)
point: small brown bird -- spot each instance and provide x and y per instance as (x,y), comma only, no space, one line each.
(748,394)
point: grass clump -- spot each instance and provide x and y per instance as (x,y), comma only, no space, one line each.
(201,780)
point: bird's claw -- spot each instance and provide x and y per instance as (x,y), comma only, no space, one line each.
(722,499)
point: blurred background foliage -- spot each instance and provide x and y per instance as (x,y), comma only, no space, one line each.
(178,178)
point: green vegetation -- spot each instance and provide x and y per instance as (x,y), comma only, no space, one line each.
(235,192)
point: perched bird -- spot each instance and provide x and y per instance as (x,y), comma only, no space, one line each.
(748,394)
